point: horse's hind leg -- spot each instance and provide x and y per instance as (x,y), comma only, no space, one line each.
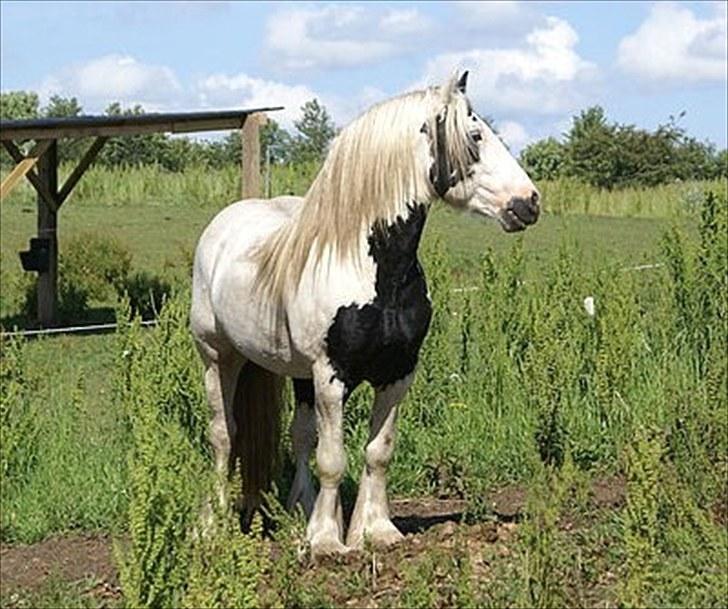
(371,512)
(221,375)
(303,440)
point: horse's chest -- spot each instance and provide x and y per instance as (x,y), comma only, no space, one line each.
(379,341)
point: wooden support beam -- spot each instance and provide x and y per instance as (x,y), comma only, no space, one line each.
(24,167)
(17,174)
(80,169)
(251,155)
(37,153)
(47,228)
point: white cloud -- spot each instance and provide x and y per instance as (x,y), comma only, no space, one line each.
(307,38)
(114,78)
(340,36)
(243,91)
(407,21)
(498,14)
(673,44)
(513,134)
(122,78)
(543,76)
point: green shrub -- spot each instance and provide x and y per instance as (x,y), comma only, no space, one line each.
(641,516)
(175,557)
(166,465)
(91,268)
(675,553)
(226,566)
(18,424)
(99,264)
(147,293)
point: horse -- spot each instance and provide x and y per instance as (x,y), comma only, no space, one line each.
(328,290)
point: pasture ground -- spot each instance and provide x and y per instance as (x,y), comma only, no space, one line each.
(541,538)
(78,570)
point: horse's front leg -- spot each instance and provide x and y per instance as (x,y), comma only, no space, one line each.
(325,529)
(371,513)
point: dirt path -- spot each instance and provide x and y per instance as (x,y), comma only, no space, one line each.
(429,524)
(69,558)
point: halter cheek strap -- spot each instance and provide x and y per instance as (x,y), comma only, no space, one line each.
(441,170)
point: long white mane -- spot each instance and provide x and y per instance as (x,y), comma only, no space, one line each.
(372,169)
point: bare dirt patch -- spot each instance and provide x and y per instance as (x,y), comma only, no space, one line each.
(429,524)
(609,492)
(71,558)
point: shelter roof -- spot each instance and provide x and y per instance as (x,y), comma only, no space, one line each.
(128,124)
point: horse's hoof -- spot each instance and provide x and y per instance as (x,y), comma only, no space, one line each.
(382,539)
(328,546)
(380,534)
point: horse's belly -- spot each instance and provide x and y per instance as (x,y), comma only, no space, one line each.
(254,331)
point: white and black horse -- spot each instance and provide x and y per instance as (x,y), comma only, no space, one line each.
(327,289)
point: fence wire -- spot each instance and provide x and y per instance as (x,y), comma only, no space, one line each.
(153,322)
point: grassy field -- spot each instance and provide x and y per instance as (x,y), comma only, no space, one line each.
(517,385)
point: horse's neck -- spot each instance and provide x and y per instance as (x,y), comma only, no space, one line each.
(393,245)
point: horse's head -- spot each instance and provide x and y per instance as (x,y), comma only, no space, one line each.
(471,167)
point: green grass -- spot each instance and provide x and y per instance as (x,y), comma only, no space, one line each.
(56,592)
(675,200)
(516,383)
(161,238)
(79,479)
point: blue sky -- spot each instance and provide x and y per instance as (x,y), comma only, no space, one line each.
(533,64)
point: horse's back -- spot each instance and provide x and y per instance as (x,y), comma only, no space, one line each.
(239,227)
(224,270)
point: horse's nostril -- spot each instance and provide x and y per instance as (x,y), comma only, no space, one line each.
(534,198)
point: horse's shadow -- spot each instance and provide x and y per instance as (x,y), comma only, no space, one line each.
(409,515)
(419,524)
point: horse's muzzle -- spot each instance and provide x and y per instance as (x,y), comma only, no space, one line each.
(520,213)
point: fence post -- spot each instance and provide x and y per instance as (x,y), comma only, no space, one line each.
(47,229)
(251,155)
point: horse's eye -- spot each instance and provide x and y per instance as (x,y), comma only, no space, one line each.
(476,136)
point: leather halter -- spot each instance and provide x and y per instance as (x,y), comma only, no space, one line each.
(442,174)
(441,170)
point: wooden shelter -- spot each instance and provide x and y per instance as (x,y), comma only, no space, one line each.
(43,254)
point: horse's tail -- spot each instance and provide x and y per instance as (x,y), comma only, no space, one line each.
(258,404)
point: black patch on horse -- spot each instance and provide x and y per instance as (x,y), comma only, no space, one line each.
(379,341)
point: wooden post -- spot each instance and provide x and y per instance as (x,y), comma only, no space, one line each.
(251,155)
(47,226)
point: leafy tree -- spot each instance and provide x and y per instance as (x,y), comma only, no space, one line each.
(276,142)
(642,157)
(65,107)
(61,107)
(223,153)
(151,149)
(316,130)
(591,148)
(545,159)
(721,164)
(16,105)
(613,155)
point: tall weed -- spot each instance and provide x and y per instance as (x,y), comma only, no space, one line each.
(18,413)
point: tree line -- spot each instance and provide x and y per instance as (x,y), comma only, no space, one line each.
(313,132)
(594,150)
(612,155)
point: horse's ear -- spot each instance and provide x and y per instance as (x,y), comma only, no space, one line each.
(462,82)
